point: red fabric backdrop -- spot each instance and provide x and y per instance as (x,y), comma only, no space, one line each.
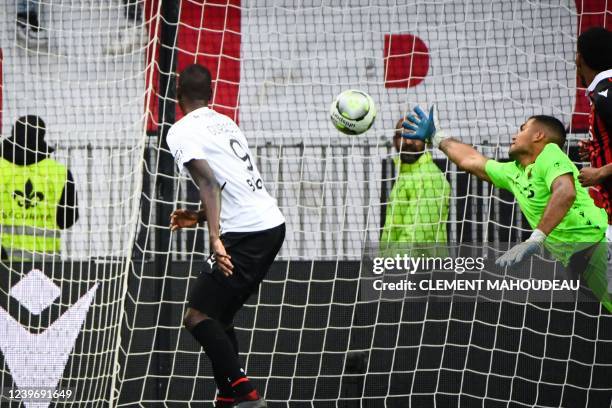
(209,34)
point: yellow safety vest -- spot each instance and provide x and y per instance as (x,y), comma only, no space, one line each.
(29,196)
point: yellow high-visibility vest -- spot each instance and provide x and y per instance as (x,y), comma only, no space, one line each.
(29,196)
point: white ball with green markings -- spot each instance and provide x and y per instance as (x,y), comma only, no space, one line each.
(353,112)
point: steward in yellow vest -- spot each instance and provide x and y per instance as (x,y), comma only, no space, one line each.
(37,194)
(417,211)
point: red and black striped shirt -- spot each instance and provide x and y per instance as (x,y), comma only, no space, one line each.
(600,130)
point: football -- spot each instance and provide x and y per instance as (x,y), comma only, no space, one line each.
(353,112)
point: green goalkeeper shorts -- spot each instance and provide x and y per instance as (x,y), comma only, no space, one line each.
(592,266)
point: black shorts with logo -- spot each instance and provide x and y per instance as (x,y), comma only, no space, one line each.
(252,254)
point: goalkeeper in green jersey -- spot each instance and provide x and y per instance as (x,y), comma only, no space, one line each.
(417,210)
(545,184)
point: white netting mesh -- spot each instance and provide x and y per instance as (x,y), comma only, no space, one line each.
(57,65)
(308,338)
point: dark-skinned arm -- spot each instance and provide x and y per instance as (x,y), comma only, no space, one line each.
(210,195)
(201,214)
(591,176)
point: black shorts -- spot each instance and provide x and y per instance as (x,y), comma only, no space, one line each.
(220,296)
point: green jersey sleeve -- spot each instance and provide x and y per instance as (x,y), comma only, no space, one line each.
(500,173)
(552,163)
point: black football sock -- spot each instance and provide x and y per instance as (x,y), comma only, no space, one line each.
(246,396)
(220,351)
(231,333)
(225,394)
(225,390)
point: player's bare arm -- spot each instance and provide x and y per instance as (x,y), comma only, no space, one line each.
(561,200)
(591,176)
(465,157)
(210,195)
(563,195)
(422,126)
(584,149)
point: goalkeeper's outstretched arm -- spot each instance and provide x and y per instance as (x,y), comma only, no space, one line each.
(425,127)
(465,157)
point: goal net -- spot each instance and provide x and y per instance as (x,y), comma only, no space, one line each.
(64,274)
(105,312)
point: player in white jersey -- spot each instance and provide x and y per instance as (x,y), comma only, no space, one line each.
(246,230)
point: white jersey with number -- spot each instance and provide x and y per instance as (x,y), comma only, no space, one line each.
(245,204)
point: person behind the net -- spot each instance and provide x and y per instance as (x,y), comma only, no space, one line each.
(594,67)
(417,210)
(28,30)
(545,183)
(38,195)
(215,152)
